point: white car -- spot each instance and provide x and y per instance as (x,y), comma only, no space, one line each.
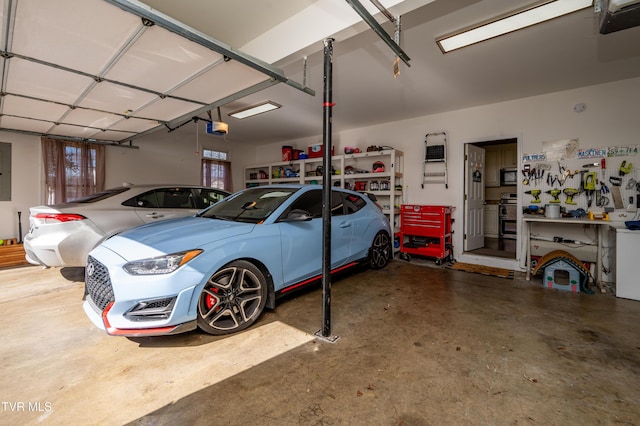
(64,234)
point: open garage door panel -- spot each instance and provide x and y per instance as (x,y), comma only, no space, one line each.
(109,71)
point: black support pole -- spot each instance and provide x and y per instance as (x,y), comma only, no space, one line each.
(327,106)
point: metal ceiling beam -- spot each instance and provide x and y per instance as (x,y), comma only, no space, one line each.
(369,19)
(177,122)
(96,78)
(384,10)
(72,138)
(6,39)
(72,107)
(145,12)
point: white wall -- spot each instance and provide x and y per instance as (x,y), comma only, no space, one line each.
(165,157)
(161,158)
(26,183)
(611,118)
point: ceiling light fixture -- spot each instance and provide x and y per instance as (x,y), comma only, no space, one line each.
(522,18)
(255,110)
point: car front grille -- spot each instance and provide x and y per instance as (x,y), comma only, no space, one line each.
(98,284)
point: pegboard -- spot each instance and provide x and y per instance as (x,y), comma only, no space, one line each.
(547,176)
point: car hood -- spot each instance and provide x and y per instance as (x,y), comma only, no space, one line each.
(172,236)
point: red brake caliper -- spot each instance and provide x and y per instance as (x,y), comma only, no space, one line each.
(212,300)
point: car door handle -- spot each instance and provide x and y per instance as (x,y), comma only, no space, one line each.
(345,224)
(154,215)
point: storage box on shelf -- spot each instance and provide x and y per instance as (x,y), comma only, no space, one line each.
(426,231)
(313,170)
(272,173)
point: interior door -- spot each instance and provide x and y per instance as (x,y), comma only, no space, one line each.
(474,197)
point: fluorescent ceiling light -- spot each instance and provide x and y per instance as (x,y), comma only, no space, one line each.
(255,110)
(513,21)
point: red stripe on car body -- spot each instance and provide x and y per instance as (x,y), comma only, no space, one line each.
(317,277)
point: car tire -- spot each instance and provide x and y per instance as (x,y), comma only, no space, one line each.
(380,251)
(233,298)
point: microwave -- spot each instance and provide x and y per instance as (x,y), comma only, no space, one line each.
(508,177)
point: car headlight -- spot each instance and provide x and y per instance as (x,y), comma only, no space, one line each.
(160,265)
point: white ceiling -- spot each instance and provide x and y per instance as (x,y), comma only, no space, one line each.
(557,55)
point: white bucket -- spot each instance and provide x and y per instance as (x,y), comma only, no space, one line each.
(552,211)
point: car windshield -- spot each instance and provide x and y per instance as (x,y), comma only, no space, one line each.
(98,196)
(252,205)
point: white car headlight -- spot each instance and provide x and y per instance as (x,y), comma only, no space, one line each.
(160,265)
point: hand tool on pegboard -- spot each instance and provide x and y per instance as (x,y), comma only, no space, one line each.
(535,193)
(603,199)
(590,186)
(616,182)
(555,193)
(570,193)
(624,168)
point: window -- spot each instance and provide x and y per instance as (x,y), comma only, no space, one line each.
(216,170)
(214,155)
(99,196)
(353,203)
(175,198)
(163,198)
(145,200)
(207,197)
(73,170)
(253,205)
(311,202)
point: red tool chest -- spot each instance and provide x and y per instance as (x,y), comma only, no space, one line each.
(426,231)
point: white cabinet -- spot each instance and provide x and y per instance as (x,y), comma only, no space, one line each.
(351,171)
(627,246)
(509,156)
(491,168)
(499,157)
(491,224)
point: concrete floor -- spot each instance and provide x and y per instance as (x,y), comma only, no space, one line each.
(418,345)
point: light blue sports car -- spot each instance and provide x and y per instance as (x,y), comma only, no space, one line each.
(218,270)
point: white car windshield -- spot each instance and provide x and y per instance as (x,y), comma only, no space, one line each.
(252,205)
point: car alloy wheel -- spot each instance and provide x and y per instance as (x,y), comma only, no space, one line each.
(233,298)
(380,251)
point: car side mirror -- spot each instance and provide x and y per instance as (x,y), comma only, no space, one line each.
(297,215)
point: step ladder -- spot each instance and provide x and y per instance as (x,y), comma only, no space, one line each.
(435,159)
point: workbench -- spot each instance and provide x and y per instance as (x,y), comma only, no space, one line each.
(601,226)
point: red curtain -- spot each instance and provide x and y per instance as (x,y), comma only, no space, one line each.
(216,174)
(72,169)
